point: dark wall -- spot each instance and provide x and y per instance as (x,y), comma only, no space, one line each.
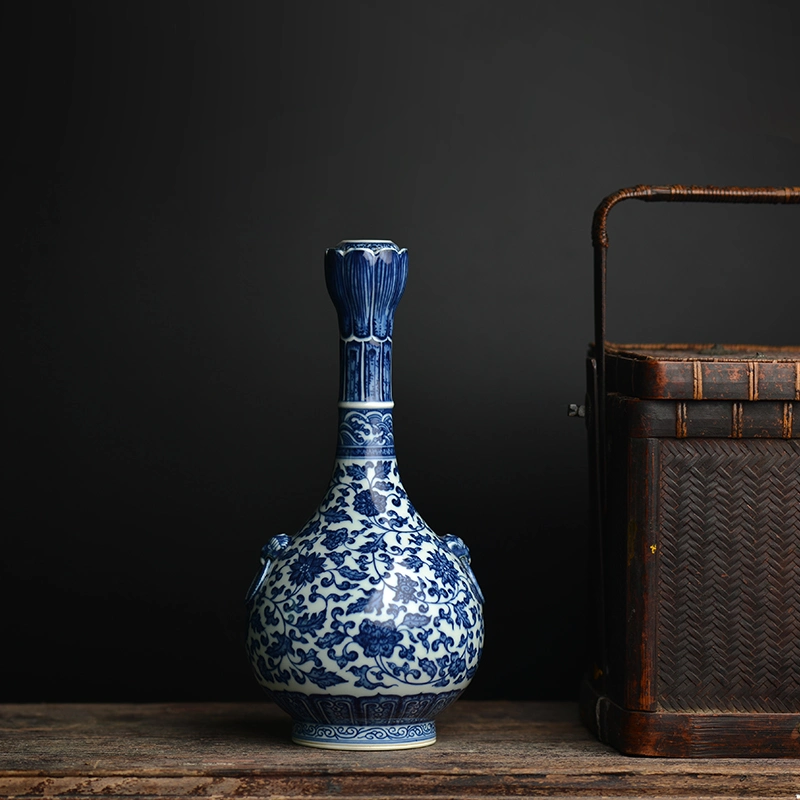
(177,170)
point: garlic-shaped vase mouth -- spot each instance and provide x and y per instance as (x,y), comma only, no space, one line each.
(374,245)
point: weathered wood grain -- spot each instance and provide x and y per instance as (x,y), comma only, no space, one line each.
(243,750)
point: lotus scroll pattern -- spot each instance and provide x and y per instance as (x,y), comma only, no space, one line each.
(366,598)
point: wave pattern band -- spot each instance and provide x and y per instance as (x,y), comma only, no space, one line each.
(364,736)
(365,433)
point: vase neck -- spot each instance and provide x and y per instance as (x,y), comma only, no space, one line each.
(365,433)
(365,280)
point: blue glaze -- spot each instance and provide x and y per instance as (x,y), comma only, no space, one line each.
(365,433)
(365,282)
(365,624)
(366,737)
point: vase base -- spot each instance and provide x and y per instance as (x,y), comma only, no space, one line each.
(364,737)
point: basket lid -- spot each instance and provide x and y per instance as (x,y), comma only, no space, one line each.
(703,371)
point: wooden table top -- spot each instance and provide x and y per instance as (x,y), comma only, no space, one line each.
(485,749)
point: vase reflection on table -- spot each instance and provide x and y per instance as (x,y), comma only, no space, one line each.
(365,624)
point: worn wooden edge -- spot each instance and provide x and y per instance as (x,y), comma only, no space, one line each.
(635,418)
(681,351)
(487,749)
(702,372)
(745,379)
(640,571)
(620,784)
(673,735)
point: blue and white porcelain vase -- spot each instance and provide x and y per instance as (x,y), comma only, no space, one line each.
(365,624)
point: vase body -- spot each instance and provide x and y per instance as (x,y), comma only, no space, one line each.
(365,624)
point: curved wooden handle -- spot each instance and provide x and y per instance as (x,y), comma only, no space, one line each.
(676,193)
(689,194)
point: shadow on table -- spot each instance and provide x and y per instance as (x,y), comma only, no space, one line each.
(261,723)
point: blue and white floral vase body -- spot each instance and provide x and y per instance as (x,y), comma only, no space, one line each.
(365,624)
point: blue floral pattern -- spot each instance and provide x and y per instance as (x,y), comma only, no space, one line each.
(365,624)
(366,597)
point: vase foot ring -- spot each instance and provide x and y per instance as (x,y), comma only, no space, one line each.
(364,737)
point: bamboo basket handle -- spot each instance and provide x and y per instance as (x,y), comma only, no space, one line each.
(651,194)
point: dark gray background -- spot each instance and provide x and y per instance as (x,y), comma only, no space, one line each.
(174,174)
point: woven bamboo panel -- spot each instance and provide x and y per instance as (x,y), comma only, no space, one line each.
(729,576)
